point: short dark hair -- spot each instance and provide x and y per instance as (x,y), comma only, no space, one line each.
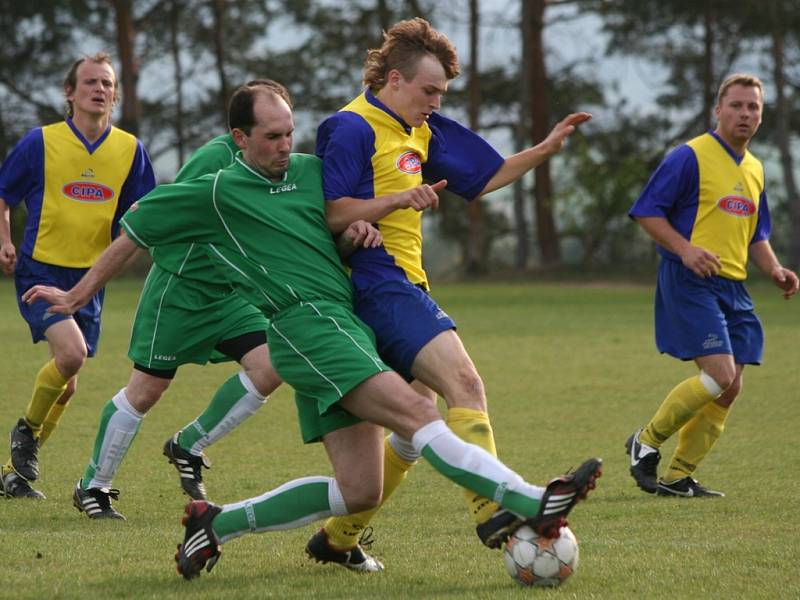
(71,79)
(240,107)
(404,45)
(743,79)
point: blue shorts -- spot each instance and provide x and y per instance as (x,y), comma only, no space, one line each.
(697,316)
(30,272)
(404,318)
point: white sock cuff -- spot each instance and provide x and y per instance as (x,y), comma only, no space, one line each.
(427,433)
(403,448)
(710,384)
(120,400)
(250,387)
(336,500)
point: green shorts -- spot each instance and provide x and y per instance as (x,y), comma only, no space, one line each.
(180,321)
(323,351)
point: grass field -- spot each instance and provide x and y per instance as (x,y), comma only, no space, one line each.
(570,371)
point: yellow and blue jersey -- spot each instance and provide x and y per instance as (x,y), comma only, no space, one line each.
(368,151)
(713,197)
(75,192)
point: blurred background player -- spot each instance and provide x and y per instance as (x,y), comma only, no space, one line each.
(706,207)
(184,315)
(376,152)
(76,177)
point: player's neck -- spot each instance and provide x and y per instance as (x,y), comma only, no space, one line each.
(739,147)
(91,126)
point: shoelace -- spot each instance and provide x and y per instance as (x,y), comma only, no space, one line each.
(366,540)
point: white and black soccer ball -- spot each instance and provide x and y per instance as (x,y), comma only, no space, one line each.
(537,561)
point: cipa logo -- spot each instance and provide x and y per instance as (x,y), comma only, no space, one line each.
(408,162)
(87,191)
(737,206)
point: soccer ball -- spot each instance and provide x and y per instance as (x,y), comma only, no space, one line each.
(537,561)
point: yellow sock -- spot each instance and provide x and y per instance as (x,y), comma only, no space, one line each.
(343,531)
(695,440)
(51,421)
(473,426)
(678,407)
(47,388)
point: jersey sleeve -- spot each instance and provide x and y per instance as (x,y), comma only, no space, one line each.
(141,180)
(209,158)
(23,169)
(764,226)
(461,156)
(672,184)
(175,213)
(345,143)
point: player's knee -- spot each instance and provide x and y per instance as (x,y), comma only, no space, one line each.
(360,497)
(265,380)
(469,389)
(731,393)
(70,360)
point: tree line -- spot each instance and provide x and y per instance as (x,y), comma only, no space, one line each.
(179,60)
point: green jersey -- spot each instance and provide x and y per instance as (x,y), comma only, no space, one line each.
(189,260)
(269,240)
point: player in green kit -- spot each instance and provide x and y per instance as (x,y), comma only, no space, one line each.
(262,222)
(182,317)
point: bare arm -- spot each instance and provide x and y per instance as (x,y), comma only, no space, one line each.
(8,254)
(701,262)
(342,212)
(762,255)
(111,262)
(517,165)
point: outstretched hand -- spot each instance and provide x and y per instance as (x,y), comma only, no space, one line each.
(563,129)
(60,302)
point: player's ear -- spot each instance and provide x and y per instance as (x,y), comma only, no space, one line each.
(239,137)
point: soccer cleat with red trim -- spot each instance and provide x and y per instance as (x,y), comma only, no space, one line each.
(201,546)
(560,496)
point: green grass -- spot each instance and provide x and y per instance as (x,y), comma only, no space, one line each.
(570,371)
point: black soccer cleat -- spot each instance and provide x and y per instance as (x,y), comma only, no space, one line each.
(15,485)
(355,559)
(96,502)
(560,496)
(24,451)
(189,468)
(686,488)
(201,546)
(644,462)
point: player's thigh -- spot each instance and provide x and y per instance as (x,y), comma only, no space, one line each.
(444,365)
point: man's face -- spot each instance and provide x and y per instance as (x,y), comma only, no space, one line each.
(739,114)
(418,97)
(94,92)
(269,144)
